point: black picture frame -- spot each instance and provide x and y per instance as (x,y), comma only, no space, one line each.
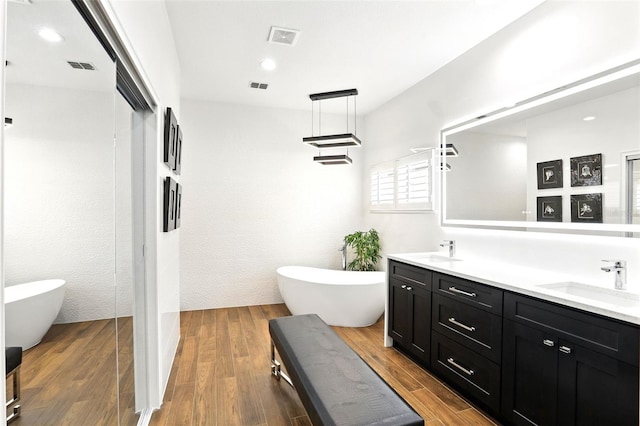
(586,208)
(177,163)
(586,170)
(550,174)
(549,209)
(170,139)
(169,205)
(178,205)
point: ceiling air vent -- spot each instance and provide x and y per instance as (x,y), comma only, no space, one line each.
(256,85)
(82,65)
(286,36)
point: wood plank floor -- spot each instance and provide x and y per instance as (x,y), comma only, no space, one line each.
(70,377)
(221,374)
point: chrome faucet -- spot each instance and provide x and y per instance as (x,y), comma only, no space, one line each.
(344,256)
(452,247)
(620,269)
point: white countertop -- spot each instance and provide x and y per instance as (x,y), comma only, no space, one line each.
(527,281)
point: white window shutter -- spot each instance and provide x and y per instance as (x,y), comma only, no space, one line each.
(403,185)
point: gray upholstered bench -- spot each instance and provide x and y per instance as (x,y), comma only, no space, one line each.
(13,361)
(335,385)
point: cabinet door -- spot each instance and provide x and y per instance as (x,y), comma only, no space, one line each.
(529,375)
(595,389)
(420,322)
(398,311)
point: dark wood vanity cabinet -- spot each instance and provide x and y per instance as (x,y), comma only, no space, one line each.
(466,339)
(566,367)
(410,309)
(525,360)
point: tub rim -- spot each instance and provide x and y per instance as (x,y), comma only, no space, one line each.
(368,277)
(16,292)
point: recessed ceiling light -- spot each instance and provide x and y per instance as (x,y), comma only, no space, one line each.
(50,35)
(268,64)
(589,118)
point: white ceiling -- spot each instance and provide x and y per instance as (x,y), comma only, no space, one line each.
(379,47)
(37,62)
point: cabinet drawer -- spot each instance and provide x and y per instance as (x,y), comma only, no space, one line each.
(410,273)
(607,336)
(473,374)
(479,295)
(474,328)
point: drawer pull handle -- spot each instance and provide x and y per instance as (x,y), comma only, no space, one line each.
(549,342)
(459,324)
(409,288)
(459,367)
(565,349)
(464,293)
(403,286)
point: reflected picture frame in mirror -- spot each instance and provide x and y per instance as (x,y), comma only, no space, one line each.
(492,204)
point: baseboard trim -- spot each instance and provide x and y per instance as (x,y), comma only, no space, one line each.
(145,417)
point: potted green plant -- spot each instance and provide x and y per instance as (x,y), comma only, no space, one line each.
(366,247)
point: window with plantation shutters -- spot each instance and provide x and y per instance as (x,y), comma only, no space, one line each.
(383,185)
(403,185)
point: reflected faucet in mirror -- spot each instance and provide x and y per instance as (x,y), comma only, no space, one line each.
(619,267)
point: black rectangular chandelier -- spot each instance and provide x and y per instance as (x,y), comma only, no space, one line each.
(339,140)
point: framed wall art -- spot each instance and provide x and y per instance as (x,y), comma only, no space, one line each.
(169,204)
(178,204)
(586,208)
(550,174)
(170,139)
(177,163)
(549,209)
(586,170)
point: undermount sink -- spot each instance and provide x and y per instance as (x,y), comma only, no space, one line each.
(430,257)
(619,298)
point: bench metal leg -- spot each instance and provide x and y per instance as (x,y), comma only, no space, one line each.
(13,403)
(276,369)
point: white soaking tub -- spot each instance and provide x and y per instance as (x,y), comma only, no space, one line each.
(341,298)
(30,309)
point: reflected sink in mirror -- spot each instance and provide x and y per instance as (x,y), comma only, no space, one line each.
(606,296)
(430,257)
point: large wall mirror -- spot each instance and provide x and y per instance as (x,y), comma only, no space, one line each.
(564,161)
(67,211)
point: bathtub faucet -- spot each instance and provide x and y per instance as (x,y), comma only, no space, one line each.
(344,256)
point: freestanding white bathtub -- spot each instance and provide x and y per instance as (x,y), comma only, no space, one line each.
(341,298)
(30,309)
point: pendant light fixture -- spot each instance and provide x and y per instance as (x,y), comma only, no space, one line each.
(450,150)
(339,140)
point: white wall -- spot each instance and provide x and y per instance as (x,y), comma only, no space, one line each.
(254,200)
(556,43)
(59,188)
(146,32)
